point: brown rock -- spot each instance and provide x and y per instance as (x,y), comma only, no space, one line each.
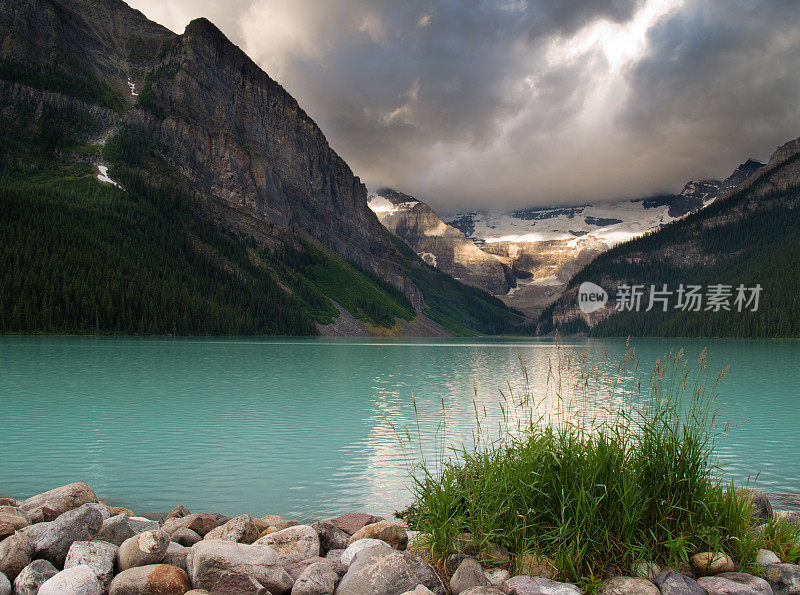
(392,532)
(199,522)
(178,512)
(115,510)
(59,500)
(710,563)
(17,521)
(8,502)
(350,523)
(16,553)
(154,579)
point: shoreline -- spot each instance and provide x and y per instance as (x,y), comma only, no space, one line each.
(66,540)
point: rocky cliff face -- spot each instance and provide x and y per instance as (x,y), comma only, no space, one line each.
(438,244)
(260,166)
(248,147)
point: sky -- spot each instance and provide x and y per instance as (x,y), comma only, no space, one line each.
(502,104)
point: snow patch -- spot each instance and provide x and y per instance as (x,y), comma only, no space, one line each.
(428,257)
(381,204)
(133,88)
(103,176)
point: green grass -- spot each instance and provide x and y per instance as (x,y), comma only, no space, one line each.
(783,538)
(592,494)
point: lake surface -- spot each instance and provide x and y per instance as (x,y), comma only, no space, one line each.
(309,428)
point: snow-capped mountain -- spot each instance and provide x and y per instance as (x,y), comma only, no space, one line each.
(438,244)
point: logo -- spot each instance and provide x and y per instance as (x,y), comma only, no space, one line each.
(591,297)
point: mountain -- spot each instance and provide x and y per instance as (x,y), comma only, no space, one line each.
(741,253)
(438,244)
(546,246)
(162,183)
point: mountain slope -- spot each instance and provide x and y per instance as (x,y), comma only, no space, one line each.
(441,246)
(749,237)
(220,180)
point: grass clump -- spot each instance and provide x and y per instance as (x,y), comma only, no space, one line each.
(783,538)
(592,492)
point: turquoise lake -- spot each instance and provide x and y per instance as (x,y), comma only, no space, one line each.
(309,428)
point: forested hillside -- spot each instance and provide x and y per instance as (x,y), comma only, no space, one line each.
(749,238)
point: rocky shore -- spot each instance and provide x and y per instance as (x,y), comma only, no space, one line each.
(66,542)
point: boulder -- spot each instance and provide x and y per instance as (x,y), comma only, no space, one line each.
(330,536)
(350,523)
(153,579)
(534,585)
(674,583)
(294,544)
(178,512)
(240,584)
(784,578)
(757,584)
(79,524)
(200,523)
(116,529)
(240,529)
(762,509)
(177,555)
(8,502)
(392,532)
(35,531)
(186,537)
(54,503)
(483,591)
(16,553)
(767,557)
(298,568)
(33,576)
(115,510)
(349,554)
(318,579)
(628,585)
(710,563)
(275,521)
(536,566)
(469,574)
(381,569)
(496,576)
(5,585)
(141,524)
(645,569)
(15,519)
(78,580)
(142,550)
(97,555)
(211,558)
(453,561)
(716,585)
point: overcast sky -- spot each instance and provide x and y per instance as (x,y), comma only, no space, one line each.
(507,103)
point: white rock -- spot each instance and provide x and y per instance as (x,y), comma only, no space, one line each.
(359,546)
(78,580)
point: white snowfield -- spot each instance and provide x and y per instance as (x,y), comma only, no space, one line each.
(380,204)
(103,176)
(628,219)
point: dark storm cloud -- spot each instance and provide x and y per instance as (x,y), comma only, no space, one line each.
(720,81)
(514,102)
